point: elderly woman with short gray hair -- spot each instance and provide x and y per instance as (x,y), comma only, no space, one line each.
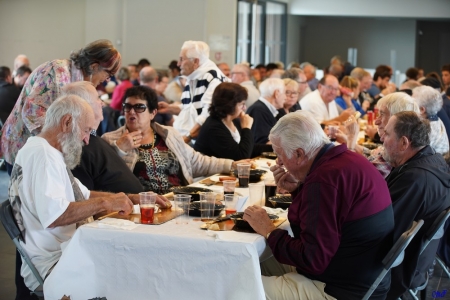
(430,102)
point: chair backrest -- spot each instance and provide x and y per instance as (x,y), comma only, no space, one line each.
(395,252)
(436,229)
(9,222)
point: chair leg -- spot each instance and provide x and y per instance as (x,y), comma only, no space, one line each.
(443,266)
(413,294)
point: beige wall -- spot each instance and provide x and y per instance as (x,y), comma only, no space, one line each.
(49,29)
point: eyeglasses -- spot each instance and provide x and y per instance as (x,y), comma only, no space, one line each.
(329,87)
(110,74)
(288,93)
(138,108)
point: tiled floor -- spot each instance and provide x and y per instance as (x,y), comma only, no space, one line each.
(438,283)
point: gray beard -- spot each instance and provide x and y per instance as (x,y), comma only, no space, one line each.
(71,148)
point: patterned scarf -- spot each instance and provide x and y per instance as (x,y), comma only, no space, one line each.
(78,197)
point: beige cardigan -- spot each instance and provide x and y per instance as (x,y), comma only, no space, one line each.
(193,164)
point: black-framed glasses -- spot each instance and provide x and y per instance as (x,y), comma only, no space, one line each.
(138,108)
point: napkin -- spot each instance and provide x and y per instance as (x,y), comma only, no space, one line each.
(240,203)
(117,223)
(274,211)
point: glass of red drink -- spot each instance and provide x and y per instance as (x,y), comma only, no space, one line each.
(230,201)
(243,174)
(229,187)
(147,201)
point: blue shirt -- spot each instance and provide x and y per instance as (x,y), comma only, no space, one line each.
(341,102)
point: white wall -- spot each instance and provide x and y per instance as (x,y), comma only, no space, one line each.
(49,29)
(43,30)
(370,8)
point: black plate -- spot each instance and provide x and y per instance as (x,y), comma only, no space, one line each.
(281,201)
(270,155)
(255,175)
(190,190)
(239,222)
(194,209)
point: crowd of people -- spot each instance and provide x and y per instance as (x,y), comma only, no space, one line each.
(164,128)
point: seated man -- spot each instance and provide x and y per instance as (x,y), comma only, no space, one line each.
(430,102)
(341,216)
(100,168)
(266,109)
(419,184)
(321,102)
(47,201)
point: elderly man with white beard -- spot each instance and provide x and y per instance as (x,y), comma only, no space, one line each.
(47,201)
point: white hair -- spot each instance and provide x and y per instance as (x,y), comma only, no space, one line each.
(397,102)
(82,89)
(65,105)
(21,60)
(299,130)
(196,49)
(268,87)
(428,98)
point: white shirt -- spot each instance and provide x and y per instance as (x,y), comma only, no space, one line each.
(41,185)
(269,105)
(313,103)
(438,137)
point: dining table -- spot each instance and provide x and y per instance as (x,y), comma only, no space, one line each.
(167,261)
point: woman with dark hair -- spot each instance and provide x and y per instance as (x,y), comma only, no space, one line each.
(96,62)
(227,131)
(157,154)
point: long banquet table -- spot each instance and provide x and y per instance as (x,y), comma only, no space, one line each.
(168,261)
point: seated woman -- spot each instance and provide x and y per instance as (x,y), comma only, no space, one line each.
(291,104)
(227,131)
(349,91)
(157,154)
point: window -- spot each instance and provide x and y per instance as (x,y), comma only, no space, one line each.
(261,31)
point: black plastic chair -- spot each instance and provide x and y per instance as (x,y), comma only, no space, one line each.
(9,222)
(435,232)
(395,255)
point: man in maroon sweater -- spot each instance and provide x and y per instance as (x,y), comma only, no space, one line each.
(341,216)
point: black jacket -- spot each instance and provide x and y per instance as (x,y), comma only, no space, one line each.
(420,190)
(9,94)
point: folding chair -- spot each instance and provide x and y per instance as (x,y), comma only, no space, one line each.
(435,232)
(395,255)
(9,222)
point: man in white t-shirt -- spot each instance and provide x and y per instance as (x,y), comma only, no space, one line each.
(47,201)
(321,102)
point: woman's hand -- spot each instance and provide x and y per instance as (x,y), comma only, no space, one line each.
(129,140)
(365,105)
(246,120)
(283,178)
(243,161)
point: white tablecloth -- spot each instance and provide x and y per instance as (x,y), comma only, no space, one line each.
(168,261)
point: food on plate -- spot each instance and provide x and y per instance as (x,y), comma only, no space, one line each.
(214,227)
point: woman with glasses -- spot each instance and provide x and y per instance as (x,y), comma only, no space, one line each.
(157,154)
(96,62)
(291,104)
(227,131)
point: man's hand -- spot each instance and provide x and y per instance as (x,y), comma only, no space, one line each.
(121,203)
(166,108)
(371,131)
(284,179)
(129,140)
(259,220)
(345,114)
